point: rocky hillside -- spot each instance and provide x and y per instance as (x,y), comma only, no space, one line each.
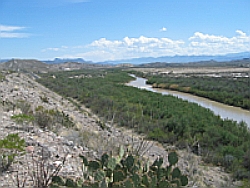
(62,130)
(25,65)
(35,66)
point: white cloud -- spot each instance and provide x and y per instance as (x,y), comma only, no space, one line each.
(5,28)
(133,47)
(104,43)
(198,44)
(55,49)
(50,49)
(10,32)
(13,35)
(163,29)
(208,38)
(210,44)
(241,33)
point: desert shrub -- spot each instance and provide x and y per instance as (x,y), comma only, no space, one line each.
(24,120)
(245,183)
(246,160)
(241,174)
(24,106)
(20,118)
(51,118)
(1,76)
(44,173)
(44,99)
(43,120)
(10,147)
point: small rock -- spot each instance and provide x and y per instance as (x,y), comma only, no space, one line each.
(68,143)
(237,183)
(30,149)
(80,148)
(57,163)
(52,149)
(85,148)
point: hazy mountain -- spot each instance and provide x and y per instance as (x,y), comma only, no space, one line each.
(181,59)
(245,62)
(4,60)
(66,60)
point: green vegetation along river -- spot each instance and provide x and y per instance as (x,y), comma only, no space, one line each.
(158,117)
(224,111)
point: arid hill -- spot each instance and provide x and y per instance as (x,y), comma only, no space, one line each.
(25,65)
(35,66)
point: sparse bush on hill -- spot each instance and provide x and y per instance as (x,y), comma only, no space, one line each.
(51,119)
(1,77)
(24,106)
(20,118)
(43,120)
(11,146)
(44,99)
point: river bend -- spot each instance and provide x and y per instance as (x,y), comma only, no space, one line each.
(224,111)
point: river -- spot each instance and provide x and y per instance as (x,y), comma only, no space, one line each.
(224,111)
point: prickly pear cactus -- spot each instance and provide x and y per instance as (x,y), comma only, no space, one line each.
(172,158)
(127,172)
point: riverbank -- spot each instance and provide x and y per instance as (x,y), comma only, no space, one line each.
(228,85)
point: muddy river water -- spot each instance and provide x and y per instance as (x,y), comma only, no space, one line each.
(224,111)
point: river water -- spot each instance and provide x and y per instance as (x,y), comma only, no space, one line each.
(224,111)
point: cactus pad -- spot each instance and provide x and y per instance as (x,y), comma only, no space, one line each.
(172,158)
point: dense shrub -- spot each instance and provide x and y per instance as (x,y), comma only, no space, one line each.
(246,160)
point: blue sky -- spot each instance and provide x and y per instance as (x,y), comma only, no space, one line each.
(100,30)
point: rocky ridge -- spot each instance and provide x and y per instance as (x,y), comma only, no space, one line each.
(89,137)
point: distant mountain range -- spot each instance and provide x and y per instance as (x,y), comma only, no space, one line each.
(57,60)
(144,60)
(180,59)
(66,60)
